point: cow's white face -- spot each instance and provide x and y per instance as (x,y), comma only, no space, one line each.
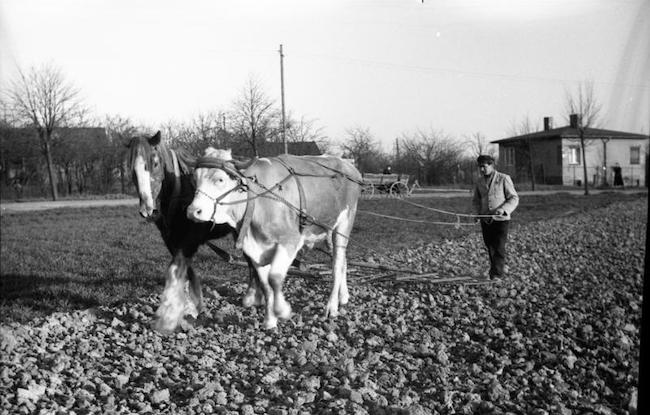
(211,184)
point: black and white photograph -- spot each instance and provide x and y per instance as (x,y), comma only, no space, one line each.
(294,207)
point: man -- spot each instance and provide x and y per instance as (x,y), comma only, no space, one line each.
(618,177)
(494,194)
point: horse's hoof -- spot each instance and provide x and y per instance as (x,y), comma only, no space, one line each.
(270,324)
(163,327)
(283,311)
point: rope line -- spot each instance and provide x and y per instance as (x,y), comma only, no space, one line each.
(457,224)
(464,215)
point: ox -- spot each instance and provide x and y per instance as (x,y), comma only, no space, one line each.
(278,205)
(163,179)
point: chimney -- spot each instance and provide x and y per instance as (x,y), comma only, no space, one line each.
(574,120)
(548,123)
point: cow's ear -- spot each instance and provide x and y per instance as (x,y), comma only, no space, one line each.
(155,140)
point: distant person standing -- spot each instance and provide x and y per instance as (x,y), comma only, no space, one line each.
(494,194)
(388,170)
(618,177)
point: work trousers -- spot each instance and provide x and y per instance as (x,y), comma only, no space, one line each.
(495,235)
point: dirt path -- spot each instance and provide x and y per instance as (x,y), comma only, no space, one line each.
(17,207)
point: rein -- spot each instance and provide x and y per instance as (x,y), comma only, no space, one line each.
(177,175)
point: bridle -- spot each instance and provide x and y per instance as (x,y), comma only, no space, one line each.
(216,163)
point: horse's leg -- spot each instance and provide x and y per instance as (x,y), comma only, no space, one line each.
(254,294)
(173,300)
(195,306)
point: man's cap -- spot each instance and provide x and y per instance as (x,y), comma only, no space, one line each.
(485,158)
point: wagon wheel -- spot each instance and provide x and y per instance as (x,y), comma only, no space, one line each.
(398,189)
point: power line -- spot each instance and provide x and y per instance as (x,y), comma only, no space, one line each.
(509,77)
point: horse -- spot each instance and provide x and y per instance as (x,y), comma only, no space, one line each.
(164,183)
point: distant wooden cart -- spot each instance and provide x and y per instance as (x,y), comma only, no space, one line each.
(395,185)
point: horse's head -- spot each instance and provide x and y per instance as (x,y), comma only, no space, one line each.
(148,170)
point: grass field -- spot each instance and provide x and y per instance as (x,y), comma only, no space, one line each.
(66,259)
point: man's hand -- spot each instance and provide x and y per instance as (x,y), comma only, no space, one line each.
(499,212)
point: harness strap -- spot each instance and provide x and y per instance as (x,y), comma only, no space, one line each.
(302,215)
(246,221)
(173,202)
(177,175)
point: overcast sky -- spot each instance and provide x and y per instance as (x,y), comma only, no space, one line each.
(393,66)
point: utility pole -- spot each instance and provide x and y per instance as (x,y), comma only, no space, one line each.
(284,134)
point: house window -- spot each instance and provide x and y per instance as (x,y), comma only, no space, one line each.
(508,156)
(635,154)
(574,154)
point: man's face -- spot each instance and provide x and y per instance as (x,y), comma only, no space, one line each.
(486,169)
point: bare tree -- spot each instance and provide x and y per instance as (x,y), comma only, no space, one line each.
(119,130)
(303,129)
(204,131)
(6,124)
(253,115)
(175,132)
(43,98)
(364,149)
(479,144)
(583,104)
(435,151)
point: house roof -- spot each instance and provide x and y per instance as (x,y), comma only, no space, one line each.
(268,149)
(570,132)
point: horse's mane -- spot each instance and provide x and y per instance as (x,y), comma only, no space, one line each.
(186,160)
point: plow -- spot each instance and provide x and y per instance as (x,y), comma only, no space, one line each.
(362,272)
